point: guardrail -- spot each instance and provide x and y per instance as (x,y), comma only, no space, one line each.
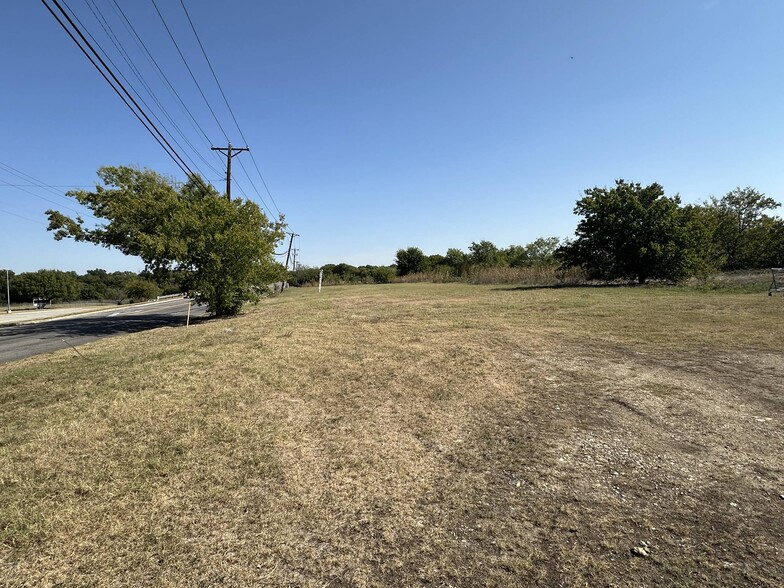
(167,296)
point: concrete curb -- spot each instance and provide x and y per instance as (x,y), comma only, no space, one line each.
(77,312)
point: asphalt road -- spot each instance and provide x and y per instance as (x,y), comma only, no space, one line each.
(17,342)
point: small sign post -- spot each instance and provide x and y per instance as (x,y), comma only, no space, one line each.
(321,277)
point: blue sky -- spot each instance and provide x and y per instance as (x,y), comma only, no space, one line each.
(385,124)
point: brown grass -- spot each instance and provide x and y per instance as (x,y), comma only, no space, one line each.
(535,275)
(407,435)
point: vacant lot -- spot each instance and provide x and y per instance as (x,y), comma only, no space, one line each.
(408,435)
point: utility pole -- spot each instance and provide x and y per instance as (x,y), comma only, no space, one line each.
(230,152)
(8,290)
(288,255)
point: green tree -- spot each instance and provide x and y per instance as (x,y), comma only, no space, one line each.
(383,274)
(630,231)
(740,227)
(484,254)
(772,254)
(49,284)
(541,251)
(705,257)
(139,290)
(92,285)
(410,261)
(457,260)
(225,247)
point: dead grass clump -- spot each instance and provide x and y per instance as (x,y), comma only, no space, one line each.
(535,275)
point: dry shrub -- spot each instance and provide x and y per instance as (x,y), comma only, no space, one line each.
(541,275)
(437,276)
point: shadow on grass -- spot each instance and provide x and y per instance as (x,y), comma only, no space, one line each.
(567,286)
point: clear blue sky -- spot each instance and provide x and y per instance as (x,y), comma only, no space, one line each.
(386,124)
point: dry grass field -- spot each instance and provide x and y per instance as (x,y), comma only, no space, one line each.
(408,435)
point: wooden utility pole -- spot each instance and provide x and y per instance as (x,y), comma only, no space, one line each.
(288,255)
(230,152)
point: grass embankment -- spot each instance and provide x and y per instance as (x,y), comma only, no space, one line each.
(405,435)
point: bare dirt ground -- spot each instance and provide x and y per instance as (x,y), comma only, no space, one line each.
(408,435)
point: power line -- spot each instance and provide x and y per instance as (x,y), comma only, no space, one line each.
(35,181)
(162,75)
(106,77)
(118,45)
(49,200)
(107,28)
(23,217)
(125,96)
(264,204)
(19,174)
(42,186)
(193,77)
(215,77)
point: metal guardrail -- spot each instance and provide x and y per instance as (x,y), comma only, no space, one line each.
(167,296)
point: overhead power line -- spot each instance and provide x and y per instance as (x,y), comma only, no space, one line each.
(40,186)
(107,28)
(118,46)
(4,167)
(231,111)
(22,217)
(117,86)
(188,67)
(161,74)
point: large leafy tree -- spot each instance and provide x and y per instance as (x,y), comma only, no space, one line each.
(484,253)
(741,230)
(539,252)
(50,284)
(410,261)
(225,247)
(630,231)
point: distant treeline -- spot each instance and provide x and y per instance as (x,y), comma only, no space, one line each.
(456,263)
(343,273)
(96,284)
(627,232)
(630,232)
(412,264)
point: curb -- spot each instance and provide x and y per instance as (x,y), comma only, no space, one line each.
(33,321)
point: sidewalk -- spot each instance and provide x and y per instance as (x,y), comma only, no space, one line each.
(32,315)
(41,314)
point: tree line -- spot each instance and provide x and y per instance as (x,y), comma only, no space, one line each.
(192,238)
(635,232)
(95,284)
(484,254)
(342,273)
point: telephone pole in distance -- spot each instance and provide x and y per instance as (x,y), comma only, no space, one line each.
(288,255)
(229,152)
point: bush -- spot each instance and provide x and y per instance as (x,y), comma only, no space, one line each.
(138,290)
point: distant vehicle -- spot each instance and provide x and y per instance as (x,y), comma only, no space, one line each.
(42,302)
